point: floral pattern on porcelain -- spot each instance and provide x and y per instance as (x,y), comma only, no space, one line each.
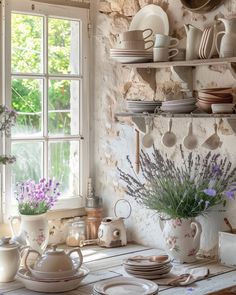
(182,239)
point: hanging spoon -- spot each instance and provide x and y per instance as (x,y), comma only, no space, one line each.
(169,138)
(190,140)
(147,140)
(213,142)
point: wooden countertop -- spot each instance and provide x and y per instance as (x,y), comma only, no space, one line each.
(107,263)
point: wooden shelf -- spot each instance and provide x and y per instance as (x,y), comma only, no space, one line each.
(185,63)
(170,115)
(139,118)
(183,68)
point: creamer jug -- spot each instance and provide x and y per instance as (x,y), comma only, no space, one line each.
(228,41)
(194,36)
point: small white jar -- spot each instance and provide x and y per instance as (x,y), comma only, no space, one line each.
(9,259)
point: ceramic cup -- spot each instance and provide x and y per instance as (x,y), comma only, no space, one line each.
(137,44)
(165,41)
(135,35)
(164,54)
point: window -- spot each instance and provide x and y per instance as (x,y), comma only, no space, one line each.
(46,82)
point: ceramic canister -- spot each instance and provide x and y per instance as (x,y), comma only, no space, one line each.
(9,259)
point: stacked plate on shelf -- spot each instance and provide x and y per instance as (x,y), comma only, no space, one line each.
(141,106)
(130,55)
(209,96)
(179,106)
(123,285)
(147,269)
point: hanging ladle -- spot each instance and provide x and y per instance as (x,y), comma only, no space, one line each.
(213,142)
(147,140)
(169,138)
(190,140)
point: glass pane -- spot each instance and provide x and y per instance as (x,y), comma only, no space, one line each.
(29,161)
(27,101)
(63,46)
(27,43)
(63,106)
(64,166)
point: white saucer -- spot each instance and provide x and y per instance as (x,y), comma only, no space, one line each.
(53,286)
(125,286)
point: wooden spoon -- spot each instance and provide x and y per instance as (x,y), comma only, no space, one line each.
(153,258)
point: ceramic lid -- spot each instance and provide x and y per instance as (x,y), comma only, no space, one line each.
(6,244)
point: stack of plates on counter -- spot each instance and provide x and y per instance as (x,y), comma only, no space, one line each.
(130,55)
(123,285)
(50,285)
(140,106)
(147,269)
(179,106)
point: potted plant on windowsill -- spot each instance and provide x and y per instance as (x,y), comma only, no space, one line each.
(34,200)
(179,193)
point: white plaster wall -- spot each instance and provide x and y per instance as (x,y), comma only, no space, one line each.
(113,140)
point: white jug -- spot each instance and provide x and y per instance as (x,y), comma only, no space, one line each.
(194,36)
(228,42)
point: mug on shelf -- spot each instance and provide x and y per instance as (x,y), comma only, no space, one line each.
(165,41)
(137,44)
(135,35)
(164,54)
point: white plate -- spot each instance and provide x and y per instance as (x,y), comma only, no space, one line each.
(131,59)
(180,110)
(145,263)
(126,286)
(53,286)
(186,101)
(151,17)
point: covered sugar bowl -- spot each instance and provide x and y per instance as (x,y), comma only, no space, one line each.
(9,259)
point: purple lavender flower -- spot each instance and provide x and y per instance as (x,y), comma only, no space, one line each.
(210,192)
(37,198)
(216,171)
(230,195)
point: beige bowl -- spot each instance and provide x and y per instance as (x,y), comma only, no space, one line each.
(200,6)
(206,107)
(218,90)
(223,108)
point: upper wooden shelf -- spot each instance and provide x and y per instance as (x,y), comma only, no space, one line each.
(185,63)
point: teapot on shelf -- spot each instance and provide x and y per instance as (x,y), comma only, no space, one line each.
(228,41)
(194,36)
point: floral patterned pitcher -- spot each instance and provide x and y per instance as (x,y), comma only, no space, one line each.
(33,232)
(182,238)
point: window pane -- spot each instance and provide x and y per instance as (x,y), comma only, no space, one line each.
(29,161)
(27,101)
(63,107)
(27,43)
(64,166)
(63,46)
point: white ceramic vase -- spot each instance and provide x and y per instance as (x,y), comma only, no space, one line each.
(182,239)
(34,231)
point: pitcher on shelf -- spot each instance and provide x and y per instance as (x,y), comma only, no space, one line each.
(194,36)
(228,42)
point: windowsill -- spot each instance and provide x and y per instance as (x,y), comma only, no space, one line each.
(52,215)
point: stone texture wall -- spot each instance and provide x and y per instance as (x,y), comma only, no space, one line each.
(114,83)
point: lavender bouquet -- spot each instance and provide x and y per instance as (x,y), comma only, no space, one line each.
(37,198)
(181,192)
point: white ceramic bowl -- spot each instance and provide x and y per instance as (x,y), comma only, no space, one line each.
(223,108)
(53,286)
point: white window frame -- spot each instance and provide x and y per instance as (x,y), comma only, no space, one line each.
(48,10)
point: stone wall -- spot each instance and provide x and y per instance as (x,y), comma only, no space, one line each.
(114,83)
